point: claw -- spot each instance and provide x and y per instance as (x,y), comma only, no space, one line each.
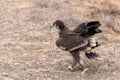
(83,72)
(70,68)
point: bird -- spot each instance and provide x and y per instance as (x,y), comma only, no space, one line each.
(73,42)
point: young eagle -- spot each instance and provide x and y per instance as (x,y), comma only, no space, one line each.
(75,41)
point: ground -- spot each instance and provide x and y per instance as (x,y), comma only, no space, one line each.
(27,43)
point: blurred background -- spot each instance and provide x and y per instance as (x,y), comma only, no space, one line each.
(27,44)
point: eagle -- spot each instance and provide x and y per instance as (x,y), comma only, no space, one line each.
(78,40)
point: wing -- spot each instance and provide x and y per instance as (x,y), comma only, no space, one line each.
(88,28)
(71,42)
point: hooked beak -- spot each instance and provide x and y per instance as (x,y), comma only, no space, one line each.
(52,25)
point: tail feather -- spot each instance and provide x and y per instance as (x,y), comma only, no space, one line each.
(93,55)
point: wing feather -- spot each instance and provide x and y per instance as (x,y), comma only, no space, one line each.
(71,42)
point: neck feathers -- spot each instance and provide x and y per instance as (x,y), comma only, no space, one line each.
(64,31)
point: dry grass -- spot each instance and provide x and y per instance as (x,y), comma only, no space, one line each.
(28,50)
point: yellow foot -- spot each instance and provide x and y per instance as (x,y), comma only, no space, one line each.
(83,72)
(70,68)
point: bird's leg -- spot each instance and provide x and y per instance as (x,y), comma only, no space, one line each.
(82,67)
(74,61)
(76,57)
(80,62)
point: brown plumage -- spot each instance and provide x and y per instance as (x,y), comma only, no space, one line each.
(73,42)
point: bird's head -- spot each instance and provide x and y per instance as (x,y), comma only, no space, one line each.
(59,24)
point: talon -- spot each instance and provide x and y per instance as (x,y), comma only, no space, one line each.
(83,72)
(70,68)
